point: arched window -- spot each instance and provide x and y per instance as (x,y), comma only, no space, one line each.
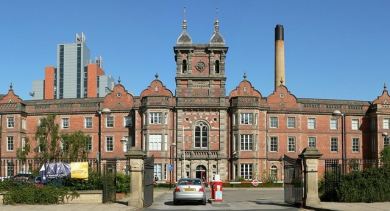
(274,173)
(216,67)
(201,135)
(184,66)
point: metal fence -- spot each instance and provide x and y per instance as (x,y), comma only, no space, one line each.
(11,167)
(335,168)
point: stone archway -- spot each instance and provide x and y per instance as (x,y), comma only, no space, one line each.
(201,172)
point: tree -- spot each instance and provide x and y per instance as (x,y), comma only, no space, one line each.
(22,152)
(75,146)
(385,157)
(48,140)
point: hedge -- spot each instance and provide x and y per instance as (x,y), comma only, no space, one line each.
(370,185)
(32,194)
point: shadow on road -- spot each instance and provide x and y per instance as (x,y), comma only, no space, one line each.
(260,202)
(185,203)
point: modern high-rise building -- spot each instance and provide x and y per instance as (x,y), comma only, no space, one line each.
(75,76)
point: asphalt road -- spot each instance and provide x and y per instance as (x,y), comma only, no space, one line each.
(234,199)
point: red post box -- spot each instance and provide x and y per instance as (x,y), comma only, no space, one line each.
(217,189)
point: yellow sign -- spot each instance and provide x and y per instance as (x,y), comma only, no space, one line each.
(79,170)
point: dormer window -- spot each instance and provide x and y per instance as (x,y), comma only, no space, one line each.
(216,67)
(184,66)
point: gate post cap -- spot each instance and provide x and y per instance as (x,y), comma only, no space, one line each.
(136,154)
(310,152)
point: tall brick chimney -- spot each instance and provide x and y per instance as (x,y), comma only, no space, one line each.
(280,77)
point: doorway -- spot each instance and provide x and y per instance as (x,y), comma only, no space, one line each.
(200,173)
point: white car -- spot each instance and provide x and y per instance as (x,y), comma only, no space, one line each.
(189,189)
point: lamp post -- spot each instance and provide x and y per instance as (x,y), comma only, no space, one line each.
(343,138)
(99,114)
(171,148)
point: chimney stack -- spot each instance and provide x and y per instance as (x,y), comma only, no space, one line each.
(280,78)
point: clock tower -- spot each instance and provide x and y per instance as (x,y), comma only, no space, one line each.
(200,68)
(201,106)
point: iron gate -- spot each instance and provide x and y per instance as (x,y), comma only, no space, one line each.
(148,181)
(109,181)
(293,181)
(333,172)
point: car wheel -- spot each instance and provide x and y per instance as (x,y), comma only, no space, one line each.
(175,202)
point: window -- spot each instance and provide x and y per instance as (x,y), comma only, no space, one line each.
(355,124)
(291,144)
(10,143)
(165,118)
(291,122)
(333,124)
(246,118)
(109,144)
(109,121)
(125,141)
(24,124)
(273,173)
(157,171)
(127,121)
(312,142)
(274,122)
(201,135)
(10,122)
(386,123)
(88,122)
(10,168)
(311,123)
(246,142)
(246,171)
(386,140)
(154,142)
(88,144)
(333,145)
(155,117)
(23,143)
(355,144)
(184,66)
(273,147)
(216,67)
(65,122)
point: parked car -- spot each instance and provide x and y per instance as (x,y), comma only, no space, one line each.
(24,177)
(189,189)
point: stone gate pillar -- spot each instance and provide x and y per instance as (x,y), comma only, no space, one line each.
(310,158)
(136,161)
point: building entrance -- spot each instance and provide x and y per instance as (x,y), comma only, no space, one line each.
(200,172)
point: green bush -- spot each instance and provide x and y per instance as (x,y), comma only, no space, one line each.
(122,183)
(371,185)
(94,182)
(31,194)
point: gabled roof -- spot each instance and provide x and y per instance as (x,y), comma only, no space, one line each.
(156,88)
(245,88)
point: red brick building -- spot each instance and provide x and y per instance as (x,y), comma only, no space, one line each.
(201,129)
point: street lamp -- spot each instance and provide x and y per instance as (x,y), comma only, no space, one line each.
(99,114)
(343,138)
(173,145)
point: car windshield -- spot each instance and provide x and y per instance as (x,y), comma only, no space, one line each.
(190,182)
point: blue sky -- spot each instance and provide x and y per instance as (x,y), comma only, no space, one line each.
(334,49)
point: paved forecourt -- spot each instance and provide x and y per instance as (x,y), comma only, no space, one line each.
(233,199)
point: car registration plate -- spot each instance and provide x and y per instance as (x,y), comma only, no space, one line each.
(189,189)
